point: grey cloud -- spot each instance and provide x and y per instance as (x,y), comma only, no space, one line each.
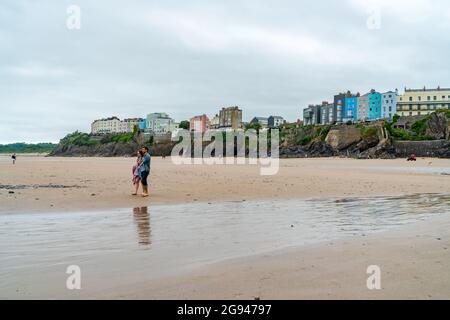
(192,57)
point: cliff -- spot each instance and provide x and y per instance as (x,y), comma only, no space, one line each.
(427,136)
(80,144)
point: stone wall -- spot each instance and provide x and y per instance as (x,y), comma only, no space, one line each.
(434,148)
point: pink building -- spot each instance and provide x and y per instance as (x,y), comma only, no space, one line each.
(199,123)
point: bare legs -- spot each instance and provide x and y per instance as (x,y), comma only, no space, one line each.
(137,182)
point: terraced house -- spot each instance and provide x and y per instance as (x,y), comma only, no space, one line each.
(416,102)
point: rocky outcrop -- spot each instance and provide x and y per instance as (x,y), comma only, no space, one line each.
(344,137)
(438,126)
(383,150)
(111,149)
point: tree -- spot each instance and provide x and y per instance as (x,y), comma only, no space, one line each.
(185,124)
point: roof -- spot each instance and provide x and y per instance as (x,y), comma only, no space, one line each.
(427,90)
(106,119)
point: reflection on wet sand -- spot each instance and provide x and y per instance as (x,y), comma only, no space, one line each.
(142,220)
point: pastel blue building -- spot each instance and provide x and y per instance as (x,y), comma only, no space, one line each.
(351,109)
(375,110)
(142,124)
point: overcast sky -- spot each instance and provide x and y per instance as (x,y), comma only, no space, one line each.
(130,58)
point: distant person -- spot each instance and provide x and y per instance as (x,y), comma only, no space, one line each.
(14,158)
(136,174)
(145,171)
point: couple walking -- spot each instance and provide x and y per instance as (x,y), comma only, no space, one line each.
(141,171)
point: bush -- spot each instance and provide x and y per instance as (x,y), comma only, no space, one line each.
(305,140)
(420,127)
(123,137)
(79,139)
(368,132)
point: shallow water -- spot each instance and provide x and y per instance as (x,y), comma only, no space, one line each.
(119,247)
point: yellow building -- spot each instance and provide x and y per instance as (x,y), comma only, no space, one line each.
(417,102)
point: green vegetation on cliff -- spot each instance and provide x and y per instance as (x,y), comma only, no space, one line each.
(22,147)
(417,130)
(85,139)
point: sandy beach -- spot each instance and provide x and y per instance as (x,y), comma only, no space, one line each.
(97,183)
(414,258)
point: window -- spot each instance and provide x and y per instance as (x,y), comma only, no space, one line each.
(410,107)
(420,98)
(428,98)
(390,109)
(418,113)
(434,98)
(410,98)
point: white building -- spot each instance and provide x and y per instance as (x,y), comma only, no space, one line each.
(275,121)
(262,121)
(115,125)
(215,122)
(388,104)
(363,108)
(160,123)
(107,125)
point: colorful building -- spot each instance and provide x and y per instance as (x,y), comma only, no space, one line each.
(142,124)
(200,123)
(374,105)
(417,102)
(389,104)
(129,124)
(351,108)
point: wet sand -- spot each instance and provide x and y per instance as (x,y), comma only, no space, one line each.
(414,262)
(67,184)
